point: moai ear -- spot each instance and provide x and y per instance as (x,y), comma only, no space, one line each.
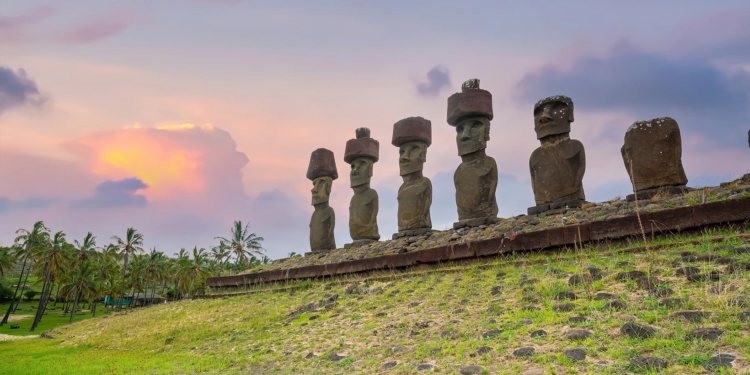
(487,130)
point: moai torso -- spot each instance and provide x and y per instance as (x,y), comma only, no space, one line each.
(322,224)
(363,213)
(557,172)
(652,154)
(414,200)
(476,182)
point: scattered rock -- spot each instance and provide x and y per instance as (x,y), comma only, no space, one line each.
(471,370)
(484,350)
(691,316)
(381,314)
(497,290)
(745,315)
(580,279)
(425,367)
(399,349)
(576,354)
(636,330)
(530,299)
(721,288)
(601,295)
(648,283)
(577,319)
(414,304)
(491,333)
(15,326)
(389,365)
(530,308)
(494,309)
(630,275)
(686,270)
(661,292)
(335,357)
(500,275)
(310,355)
(622,264)
(671,303)
(647,364)
(527,351)
(577,334)
(711,334)
(706,258)
(615,305)
(449,334)
(721,360)
(525,321)
(539,333)
(528,282)
(705,277)
(562,296)
(563,307)
(725,260)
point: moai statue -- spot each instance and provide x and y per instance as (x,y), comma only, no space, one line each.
(362,153)
(470,111)
(322,172)
(412,136)
(653,158)
(557,167)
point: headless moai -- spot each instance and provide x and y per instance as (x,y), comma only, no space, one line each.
(470,111)
(652,153)
(322,171)
(558,165)
(413,136)
(362,153)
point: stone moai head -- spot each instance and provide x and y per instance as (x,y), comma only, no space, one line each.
(322,171)
(412,136)
(361,153)
(553,116)
(470,111)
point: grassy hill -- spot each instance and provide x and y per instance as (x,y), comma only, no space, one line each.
(579,311)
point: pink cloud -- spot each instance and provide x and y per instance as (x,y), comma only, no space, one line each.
(13,23)
(100,27)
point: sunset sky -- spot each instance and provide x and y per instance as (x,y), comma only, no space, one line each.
(178,117)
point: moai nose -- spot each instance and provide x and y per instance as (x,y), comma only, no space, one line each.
(545,118)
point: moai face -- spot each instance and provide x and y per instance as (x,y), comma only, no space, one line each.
(321,190)
(361,171)
(472,134)
(412,156)
(552,118)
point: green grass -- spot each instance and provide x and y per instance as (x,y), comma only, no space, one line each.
(437,317)
(48,322)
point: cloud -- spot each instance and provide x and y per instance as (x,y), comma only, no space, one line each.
(438,78)
(704,99)
(9,24)
(120,193)
(100,27)
(282,220)
(7,204)
(17,90)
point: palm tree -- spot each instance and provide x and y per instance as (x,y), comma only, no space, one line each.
(220,255)
(51,260)
(192,270)
(155,266)
(81,282)
(106,262)
(6,260)
(26,244)
(242,243)
(130,246)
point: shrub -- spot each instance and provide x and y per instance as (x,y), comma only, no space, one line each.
(30,294)
(5,293)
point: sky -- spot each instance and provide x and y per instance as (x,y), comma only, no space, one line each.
(179,117)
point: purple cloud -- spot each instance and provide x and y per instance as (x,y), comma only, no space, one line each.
(704,99)
(12,23)
(7,204)
(438,78)
(17,89)
(120,193)
(99,28)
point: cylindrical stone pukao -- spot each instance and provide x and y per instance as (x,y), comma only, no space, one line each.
(363,146)
(412,129)
(471,101)
(652,153)
(322,164)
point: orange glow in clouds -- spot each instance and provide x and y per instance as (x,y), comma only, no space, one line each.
(165,162)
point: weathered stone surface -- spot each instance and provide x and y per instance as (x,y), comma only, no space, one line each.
(538,333)
(557,167)
(362,153)
(711,334)
(527,351)
(636,330)
(322,172)
(576,354)
(647,364)
(470,111)
(412,136)
(577,334)
(471,370)
(652,154)
(322,164)
(721,360)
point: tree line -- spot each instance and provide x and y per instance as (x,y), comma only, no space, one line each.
(80,272)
